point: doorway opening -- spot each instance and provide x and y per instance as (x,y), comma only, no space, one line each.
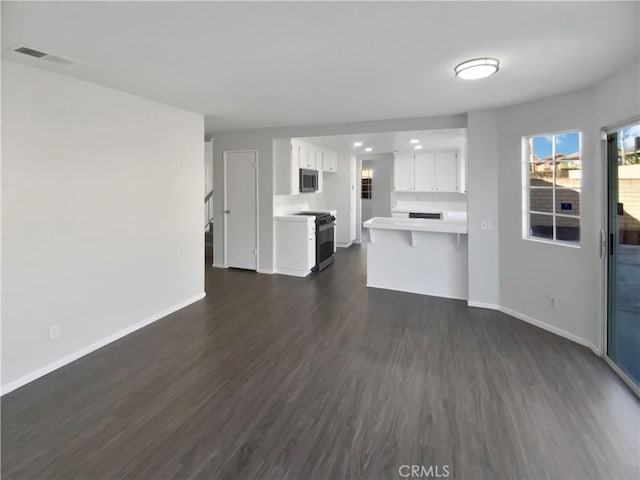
(208,202)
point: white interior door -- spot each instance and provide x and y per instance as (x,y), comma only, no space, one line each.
(240,195)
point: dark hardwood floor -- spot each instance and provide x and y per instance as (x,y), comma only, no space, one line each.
(321,378)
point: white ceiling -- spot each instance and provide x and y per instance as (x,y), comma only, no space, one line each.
(249,65)
(431,140)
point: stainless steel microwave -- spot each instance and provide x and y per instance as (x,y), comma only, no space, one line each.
(308,180)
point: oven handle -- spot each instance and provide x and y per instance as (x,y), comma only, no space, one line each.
(326,226)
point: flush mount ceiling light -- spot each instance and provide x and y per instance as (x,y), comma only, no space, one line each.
(477,68)
(357,144)
(368,149)
(418,147)
(414,141)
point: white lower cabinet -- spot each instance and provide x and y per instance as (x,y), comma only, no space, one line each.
(427,172)
(295,238)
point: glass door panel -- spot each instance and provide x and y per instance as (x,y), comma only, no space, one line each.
(623,296)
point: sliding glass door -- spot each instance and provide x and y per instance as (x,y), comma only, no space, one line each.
(623,295)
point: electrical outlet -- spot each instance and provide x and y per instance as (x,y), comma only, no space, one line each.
(54,332)
(485,225)
(553,302)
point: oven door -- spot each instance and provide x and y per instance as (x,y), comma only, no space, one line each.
(324,246)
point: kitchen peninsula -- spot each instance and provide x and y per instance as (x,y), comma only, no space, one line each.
(419,255)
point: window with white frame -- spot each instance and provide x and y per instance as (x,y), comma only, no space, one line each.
(552,178)
(367,178)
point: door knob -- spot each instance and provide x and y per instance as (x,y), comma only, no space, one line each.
(227,211)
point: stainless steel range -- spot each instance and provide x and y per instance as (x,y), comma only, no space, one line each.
(325,226)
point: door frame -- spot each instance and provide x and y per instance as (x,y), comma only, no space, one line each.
(604,249)
(224,205)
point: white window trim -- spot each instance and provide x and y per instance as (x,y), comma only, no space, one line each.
(526,211)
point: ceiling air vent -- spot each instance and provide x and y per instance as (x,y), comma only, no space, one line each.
(32,52)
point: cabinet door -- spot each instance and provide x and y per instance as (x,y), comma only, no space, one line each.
(333,164)
(311,246)
(311,157)
(403,172)
(329,161)
(446,172)
(424,172)
(295,168)
(304,155)
(326,160)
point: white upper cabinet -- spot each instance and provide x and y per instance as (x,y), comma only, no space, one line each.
(329,161)
(304,155)
(287,153)
(424,179)
(447,172)
(290,156)
(427,172)
(309,161)
(403,172)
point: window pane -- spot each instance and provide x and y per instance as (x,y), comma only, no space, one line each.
(629,145)
(541,226)
(568,146)
(567,229)
(541,199)
(568,201)
(541,174)
(568,173)
(539,148)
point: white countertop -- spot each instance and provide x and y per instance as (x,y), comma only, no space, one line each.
(417,225)
(294,217)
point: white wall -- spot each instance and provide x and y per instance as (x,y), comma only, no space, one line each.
(262,141)
(532,271)
(101,216)
(482,197)
(336,196)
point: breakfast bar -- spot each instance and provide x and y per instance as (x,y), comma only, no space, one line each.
(418,255)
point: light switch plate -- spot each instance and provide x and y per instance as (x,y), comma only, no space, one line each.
(485,225)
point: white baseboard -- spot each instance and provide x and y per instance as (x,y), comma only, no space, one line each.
(490,306)
(292,272)
(623,375)
(344,245)
(551,328)
(265,271)
(219,265)
(430,294)
(41,372)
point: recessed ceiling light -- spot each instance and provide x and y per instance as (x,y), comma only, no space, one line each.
(418,147)
(477,68)
(414,140)
(368,149)
(357,144)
